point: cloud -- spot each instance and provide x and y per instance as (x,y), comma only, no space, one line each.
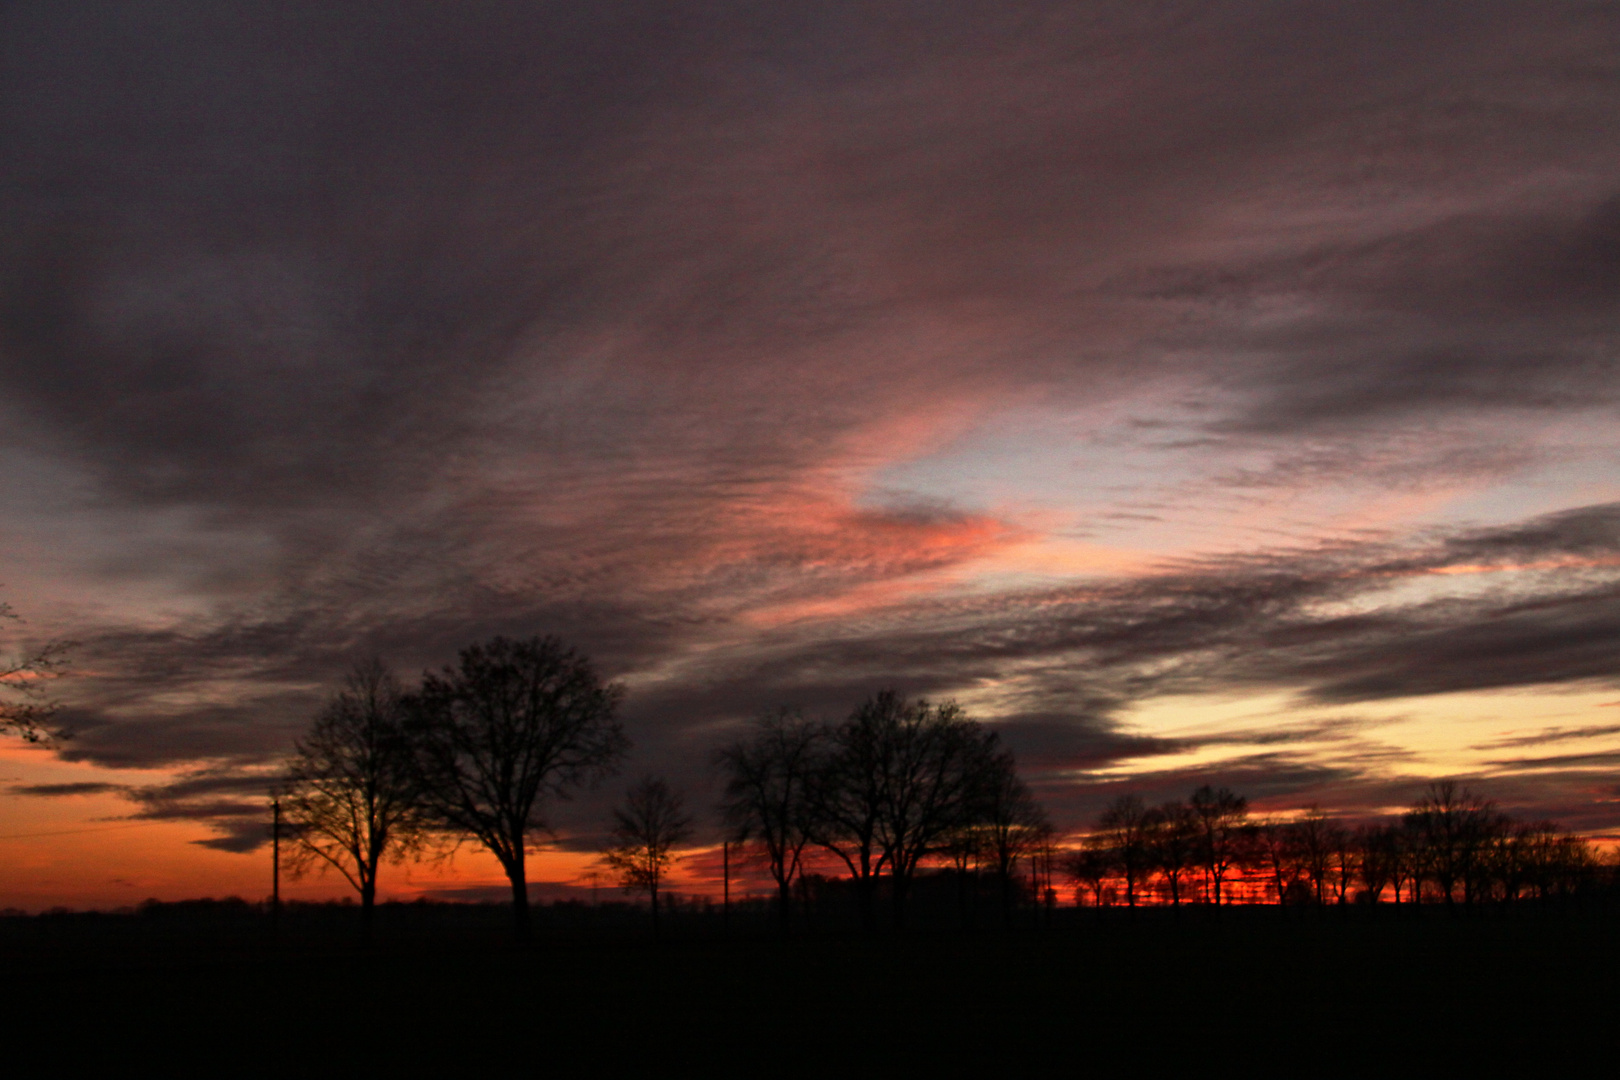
(1066,662)
(213,796)
(57,791)
(1603,760)
(332,330)
(239,837)
(309,278)
(1549,735)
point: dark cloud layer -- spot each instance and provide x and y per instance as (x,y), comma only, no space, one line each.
(58,791)
(1248,623)
(418,323)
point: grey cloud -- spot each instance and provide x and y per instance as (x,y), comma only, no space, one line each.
(1214,624)
(1603,760)
(157,810)
(57,791)
(203,796)
(1259,777)
(1054,744)
(285,259)
(1452,647)
(1550,735)
(1592,531)
(216,796)
(239,837)
(1242,621)
(439,324)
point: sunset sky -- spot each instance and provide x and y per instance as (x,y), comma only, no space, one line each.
(1198,392)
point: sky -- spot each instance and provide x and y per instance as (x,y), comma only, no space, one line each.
(1197,392)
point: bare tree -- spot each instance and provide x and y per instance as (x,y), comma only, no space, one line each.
(900,778)
(1346,859)
(1090,867)
(512,725)
(1278,844)
(1314,834)
(1547,861)
(1377,860)
(1011,822)
(846,796)
(1123,829)
(1448,827)
(25,708)
(1223,830)
(350,797)
(1405,864)
(646,830)
(1172,836)
(766,796)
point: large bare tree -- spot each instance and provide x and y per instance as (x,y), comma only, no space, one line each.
(1223,834)
(511,726)
(1377,859)
(1316,835)
(768,773)
(1279,851)
(1123,832)
(646,830)
(1172,836)
(1448,830)
(350,796)
(901,777)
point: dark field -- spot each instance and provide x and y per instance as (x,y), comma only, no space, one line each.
(1374,993)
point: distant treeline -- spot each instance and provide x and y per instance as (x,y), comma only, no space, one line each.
(1453,848)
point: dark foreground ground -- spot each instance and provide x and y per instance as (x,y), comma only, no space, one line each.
(1267,991)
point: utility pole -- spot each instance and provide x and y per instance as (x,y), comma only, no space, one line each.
(275,865)
(725,886)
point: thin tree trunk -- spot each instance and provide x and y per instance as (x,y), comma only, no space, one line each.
(517,873)
(368,904)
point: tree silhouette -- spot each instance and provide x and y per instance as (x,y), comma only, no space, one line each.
(1172,839)
(1314,835)
(1011,823)
(25,709)
(900,778)
(1278,845)
(767,797)
(512,725)
(1090,867)
(646,831)
(1449,827)
(1346,858)
(1223,828)
(350,797)
(1122,831)
(1540,858)
(1378,860)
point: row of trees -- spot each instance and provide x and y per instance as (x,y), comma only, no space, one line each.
(476,752)
(1452,847)
(897,783)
